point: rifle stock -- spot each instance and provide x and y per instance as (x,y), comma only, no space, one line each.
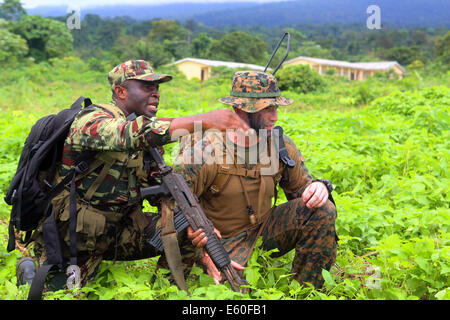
(174,185)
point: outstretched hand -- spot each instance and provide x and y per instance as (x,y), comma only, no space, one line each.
(223,119)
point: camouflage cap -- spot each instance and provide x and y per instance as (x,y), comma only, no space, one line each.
(253,91)
(135,69)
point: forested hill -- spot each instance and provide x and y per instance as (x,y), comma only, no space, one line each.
(399,13)
(177,11)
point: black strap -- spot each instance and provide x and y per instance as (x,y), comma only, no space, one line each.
(282,151)
(50,230)
(37,286)
(12,237)
(15,211)
(78,103)
(51,240)
(54,257)
(73,223)
(83,161)
(18,205)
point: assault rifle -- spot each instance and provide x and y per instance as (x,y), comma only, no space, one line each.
(189,212)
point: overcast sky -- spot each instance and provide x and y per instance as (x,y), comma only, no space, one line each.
(87,3)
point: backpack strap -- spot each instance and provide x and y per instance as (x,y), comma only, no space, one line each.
(50,230)
(54,257)
(37,286)
(87,162)
(107,159)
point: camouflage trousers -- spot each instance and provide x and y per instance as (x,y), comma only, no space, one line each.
(102,239)
(292,225)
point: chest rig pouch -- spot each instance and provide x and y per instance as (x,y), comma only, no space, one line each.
(225,172)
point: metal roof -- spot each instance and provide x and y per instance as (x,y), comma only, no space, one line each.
(217,63)
(381,65)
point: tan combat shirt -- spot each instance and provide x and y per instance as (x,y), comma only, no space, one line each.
(226,208)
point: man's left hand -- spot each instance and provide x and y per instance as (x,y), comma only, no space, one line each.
(199,237)
(211,268)
(199,240)
(315,195)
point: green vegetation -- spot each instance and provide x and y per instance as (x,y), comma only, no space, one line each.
(162,41)
(46,38)
(300,78)
(384,143)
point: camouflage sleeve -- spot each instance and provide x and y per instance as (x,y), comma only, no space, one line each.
(97,129)
(295,180)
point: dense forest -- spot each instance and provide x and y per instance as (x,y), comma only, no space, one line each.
(105,42)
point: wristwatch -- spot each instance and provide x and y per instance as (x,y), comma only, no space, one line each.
(327,183)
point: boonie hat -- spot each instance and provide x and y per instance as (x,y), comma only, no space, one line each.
(253,91)
(135,69)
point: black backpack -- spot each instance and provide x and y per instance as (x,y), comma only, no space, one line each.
(31,190)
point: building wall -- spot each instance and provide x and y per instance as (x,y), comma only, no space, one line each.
(194,70)
(349,73)
(398,71)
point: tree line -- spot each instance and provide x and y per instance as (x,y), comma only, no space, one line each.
(161,41)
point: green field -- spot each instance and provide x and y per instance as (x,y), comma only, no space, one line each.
(383,143)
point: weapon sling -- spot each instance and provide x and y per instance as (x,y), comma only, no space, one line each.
(170,244)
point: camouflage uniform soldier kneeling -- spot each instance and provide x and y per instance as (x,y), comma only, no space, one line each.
(236,194)
(110,223)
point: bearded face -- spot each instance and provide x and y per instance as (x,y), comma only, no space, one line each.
(264,119)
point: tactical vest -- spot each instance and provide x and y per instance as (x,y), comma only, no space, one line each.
(240,197)
(91,221)
(109,158)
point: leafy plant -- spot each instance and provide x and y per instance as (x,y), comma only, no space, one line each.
(299,78)
(385,149)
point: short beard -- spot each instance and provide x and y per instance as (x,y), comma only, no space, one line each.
(255,123)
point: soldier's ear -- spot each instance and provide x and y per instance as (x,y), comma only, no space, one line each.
(121,92)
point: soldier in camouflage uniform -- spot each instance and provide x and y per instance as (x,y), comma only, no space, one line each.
(236,195)
(110,221)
